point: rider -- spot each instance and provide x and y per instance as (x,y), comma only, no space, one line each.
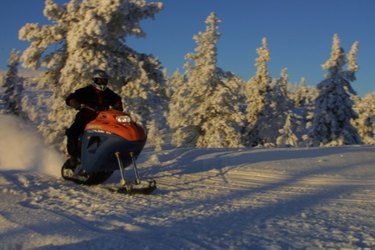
(88,100)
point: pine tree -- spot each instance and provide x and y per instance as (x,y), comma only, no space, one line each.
(85,35)
(281,105)
(287,138)
(334,107)
(258,98)
(365,124)
(12,86)
(224,120)
(303,98)
(175,83)
(145,98)
(303,95)
(208,102)
(177,87)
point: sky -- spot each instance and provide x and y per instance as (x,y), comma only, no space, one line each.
(299,34)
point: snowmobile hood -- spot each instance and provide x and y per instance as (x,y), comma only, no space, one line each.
(118,123)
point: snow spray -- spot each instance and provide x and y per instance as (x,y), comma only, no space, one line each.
(22,148)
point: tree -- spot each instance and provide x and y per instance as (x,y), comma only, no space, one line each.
(365,124)
(174,84)
(303,98)
(258,98)
(12,86)
(208,102)
(334,107)
(281,105)
(287,138)
(224,120)
(177,89)
(145,98)
(85,35)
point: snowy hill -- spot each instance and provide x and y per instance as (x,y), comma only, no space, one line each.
(314,198)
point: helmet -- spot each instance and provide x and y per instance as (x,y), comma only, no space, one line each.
(100,78)
(98,73)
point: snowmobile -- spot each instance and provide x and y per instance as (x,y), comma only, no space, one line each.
(110,142)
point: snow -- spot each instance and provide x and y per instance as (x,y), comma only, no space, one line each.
(285,198)
(22,149)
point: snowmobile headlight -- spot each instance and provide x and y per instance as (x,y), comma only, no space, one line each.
(123,119)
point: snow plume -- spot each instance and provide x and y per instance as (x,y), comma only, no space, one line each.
(21,148)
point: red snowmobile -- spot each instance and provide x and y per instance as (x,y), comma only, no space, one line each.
(111,142)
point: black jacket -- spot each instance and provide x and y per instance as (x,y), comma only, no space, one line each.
(95,99)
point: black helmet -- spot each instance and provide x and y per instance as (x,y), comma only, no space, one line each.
(100,78)
(98,73)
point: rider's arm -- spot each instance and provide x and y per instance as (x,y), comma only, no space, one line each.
(73,102)
(118,105)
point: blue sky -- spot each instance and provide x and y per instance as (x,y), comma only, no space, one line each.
(299,34)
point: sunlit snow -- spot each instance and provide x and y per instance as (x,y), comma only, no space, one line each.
(206,199)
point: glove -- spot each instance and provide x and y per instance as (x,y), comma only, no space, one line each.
(75,104)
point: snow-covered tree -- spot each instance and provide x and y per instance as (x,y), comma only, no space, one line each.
(258,97)
(12,86)
(303,95)
(177,89)
(145,98)
(365,124)
(174,83)
(334,107)
(281,105)
(224,119)
(35,102)
(303,98)
(287,137)
(208,102)
(84,35)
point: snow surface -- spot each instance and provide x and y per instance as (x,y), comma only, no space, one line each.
(306,198)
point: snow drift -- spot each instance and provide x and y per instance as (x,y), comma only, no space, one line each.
(22,148)
(291,198)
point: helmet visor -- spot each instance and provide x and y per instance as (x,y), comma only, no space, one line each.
(101,81)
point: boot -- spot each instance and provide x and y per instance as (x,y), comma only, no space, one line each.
(72,163)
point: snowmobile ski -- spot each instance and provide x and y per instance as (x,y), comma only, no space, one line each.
(144,188)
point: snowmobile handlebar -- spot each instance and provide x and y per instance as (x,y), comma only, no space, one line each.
(97,110)
(84,106)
